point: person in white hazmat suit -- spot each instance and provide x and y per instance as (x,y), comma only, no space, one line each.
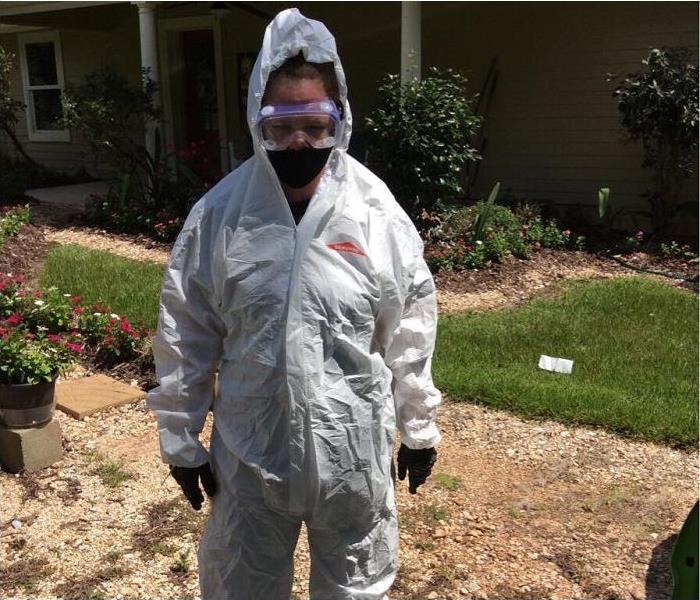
(300,280)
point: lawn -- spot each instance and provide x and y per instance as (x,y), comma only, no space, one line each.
(130,288)
(634,343)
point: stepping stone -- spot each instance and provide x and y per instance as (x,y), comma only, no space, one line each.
(82,397)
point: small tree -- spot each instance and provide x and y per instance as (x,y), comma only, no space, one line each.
(111,113)
(9,107)
(420,136)
(659,107)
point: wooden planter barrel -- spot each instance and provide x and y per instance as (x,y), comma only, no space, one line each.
(26,404)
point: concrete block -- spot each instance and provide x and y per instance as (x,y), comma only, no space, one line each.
(30,449)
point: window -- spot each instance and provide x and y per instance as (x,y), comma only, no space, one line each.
(42,79)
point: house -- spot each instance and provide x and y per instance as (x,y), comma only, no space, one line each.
(552,131)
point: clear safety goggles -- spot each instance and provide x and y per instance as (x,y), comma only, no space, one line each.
(314,124)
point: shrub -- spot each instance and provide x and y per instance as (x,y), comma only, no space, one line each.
(151,191)
(42,332)
(659,108)
(470,237)
(9,107)
(49,311)
(12,220)
(111,114)
(420,139)
(120,340)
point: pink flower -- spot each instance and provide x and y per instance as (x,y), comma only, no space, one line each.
(77,348)
(53,338)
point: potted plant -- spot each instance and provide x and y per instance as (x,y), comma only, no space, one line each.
(29,365)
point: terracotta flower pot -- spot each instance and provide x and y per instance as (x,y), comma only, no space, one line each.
(26,404)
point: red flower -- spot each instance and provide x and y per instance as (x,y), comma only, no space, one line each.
(77,348)
(53,338)
(75,299)
(77,310)
(14,319)
(36,294)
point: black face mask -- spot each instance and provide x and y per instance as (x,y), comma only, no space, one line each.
(297,168)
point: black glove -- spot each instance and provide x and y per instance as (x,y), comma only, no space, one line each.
(188,479)
(418,463)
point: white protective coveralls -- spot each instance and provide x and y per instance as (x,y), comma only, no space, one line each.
(322,335)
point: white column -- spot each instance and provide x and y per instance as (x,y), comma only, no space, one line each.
(410,41)
(147,29)
(149,57)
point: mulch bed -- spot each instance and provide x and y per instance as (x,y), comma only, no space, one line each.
(25,253)
(551,263)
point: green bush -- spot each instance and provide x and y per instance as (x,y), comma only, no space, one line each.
(659,108)
(12,220)
(152,191)
(469,237)
(420,139)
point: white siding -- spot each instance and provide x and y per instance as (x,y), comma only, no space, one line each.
(114,41)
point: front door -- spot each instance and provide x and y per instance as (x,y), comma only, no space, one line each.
(196,115)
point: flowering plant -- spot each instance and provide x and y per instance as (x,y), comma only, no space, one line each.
(29,358)
(121,339)
(10,294)
(115,338)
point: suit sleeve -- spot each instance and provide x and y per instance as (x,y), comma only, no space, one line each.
(187,347)
(409,356)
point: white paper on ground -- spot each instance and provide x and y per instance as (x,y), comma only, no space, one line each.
(556,365)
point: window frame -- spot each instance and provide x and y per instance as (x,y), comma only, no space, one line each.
(34,134)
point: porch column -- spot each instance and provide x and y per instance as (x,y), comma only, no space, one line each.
(410,41)
(149,58)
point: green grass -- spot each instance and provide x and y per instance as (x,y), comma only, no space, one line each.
(112,473)
(128,287)
(447,482)
(634,343)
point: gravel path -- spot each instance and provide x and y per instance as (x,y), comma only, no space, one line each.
(515,509)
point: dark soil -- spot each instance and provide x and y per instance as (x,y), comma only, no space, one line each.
(140,369)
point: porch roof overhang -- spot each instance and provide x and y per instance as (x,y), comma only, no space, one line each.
(9,9)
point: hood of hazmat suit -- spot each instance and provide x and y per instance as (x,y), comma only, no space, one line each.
(322,333)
